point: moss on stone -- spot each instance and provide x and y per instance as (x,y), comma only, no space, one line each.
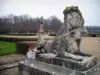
(72,8)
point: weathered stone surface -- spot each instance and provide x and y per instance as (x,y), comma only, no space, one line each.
(9,61)
(83,65)
(33,67)
(10,71)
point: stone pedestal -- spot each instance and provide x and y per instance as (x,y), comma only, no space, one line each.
(33,67)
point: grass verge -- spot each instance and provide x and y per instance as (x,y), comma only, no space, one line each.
(7,48)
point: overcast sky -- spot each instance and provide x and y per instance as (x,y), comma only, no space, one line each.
(46,8)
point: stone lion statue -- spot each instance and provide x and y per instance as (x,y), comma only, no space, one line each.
(62,45)
(73,20)
(73,24)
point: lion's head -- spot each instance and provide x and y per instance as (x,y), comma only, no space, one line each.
(73,18)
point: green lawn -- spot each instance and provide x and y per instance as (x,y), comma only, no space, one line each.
(7,48)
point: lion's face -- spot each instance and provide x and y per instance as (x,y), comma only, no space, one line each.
(72,20)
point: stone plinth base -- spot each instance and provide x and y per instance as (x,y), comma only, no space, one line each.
(33,67)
